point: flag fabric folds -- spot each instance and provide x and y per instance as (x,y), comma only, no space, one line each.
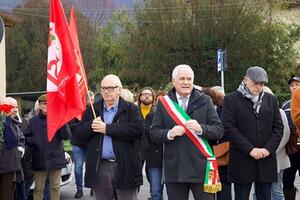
(80,76)
(63,95)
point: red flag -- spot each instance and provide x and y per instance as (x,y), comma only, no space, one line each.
(81,76)
(63,95)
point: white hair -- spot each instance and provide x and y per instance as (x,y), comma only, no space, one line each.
(12,101)
(198,87)
(127,95)
(268,90)
(114,78)
(36,106)
(181,67)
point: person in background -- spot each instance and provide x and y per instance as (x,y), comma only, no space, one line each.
(283,160)
(292,147)
(79,152)
(27,158)
(217,94)
(184,164)
(11,153)
(253,124)
(151,153)
(48,158)
(127,95)
(295,109)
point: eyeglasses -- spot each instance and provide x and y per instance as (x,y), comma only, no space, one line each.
(110,89)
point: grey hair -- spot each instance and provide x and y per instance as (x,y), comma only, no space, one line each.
(127,95)
(180,67)
(115,78)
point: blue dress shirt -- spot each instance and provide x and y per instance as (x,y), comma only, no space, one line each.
(107,147)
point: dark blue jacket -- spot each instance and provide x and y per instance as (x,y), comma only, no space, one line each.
(10,159)
(46,155)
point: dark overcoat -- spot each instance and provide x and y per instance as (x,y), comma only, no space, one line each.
(154,152)
(46,155)
(183,161)
(10,159)
(247,130)
(125,131)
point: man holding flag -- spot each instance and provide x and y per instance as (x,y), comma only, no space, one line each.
(113,164)
(184,121)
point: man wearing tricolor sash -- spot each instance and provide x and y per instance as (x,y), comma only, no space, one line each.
(185,121)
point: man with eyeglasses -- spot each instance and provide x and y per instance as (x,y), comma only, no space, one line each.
(113,164)
(151,153)
(253,124)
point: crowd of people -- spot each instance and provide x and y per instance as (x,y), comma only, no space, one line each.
(189,139)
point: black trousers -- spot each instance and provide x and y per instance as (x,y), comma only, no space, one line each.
(180,191)
(262,191)
(290,173)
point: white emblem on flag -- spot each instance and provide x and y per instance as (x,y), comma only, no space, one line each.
(54,59)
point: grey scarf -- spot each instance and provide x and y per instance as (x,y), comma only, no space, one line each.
(256,99)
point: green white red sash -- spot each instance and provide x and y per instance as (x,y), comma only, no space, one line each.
(212,182)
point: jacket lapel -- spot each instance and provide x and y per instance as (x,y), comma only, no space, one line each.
(99,108)
(121,108)
(193,101)
(193,104)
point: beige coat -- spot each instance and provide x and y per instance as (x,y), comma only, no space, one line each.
(283,160)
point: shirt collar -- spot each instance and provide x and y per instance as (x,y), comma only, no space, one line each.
(178,96)
(113,108)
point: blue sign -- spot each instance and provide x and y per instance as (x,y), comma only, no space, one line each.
(219,60)
(222,60)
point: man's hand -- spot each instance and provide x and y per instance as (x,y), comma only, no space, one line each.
(193,125)
(99,126)
(265,152)
(256,153)
(177,131)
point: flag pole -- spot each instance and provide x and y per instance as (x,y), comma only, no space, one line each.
(85,83)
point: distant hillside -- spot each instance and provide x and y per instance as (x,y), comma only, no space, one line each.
(103,4)
(99,10)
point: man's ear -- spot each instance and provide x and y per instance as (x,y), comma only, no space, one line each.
(173,81)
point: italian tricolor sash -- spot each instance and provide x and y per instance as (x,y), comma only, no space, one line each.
(212,182)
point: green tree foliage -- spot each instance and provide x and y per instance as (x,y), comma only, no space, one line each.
(110,44)
(26,46)
(165,33)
